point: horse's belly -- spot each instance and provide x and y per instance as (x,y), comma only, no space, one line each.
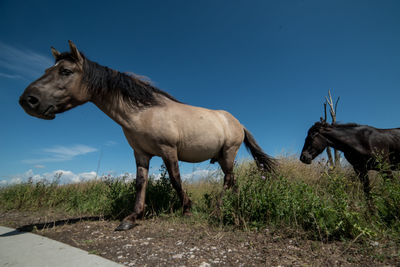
(199,153)
(195,157)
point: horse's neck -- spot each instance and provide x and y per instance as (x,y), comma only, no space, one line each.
(117,109)
(342,138)
(128,116)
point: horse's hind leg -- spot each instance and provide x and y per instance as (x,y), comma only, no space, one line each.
(142,169)
(226,161)
(171,162)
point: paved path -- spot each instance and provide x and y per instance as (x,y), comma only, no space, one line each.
(26,249)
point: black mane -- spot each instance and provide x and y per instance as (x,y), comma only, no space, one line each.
(103,81)
(321,124)
(317,126)
(346,125)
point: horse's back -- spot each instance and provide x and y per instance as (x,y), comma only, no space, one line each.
(382,144)
(202,133)
(218,123)
(385,137)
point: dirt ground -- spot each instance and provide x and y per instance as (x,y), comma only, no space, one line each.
(175,241)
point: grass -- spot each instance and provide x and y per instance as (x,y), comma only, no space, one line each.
(311,199)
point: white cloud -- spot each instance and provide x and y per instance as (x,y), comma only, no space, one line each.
(193,176)
(70,177)
(69,152)
(66,177)
(22,62)
(200,174)
(39,166)
(10,76)
(61,153)
(111,143)
(11,181)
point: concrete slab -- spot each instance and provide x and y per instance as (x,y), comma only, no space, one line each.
(27,249)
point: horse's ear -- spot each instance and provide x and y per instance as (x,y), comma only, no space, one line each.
(75,53)
(55,53)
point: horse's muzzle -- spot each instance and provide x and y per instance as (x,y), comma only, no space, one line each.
(31,104)
(305,159)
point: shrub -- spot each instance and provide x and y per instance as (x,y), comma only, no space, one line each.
(324,213)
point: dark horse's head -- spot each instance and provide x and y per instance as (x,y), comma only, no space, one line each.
(315,142)
(59,89)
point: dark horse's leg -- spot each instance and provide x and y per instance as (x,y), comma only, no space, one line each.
(170,159)
(142,169)
(363,175)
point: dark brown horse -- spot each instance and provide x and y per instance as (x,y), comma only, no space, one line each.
(364,147)
(154,123)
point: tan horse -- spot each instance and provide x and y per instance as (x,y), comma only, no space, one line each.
(154,123)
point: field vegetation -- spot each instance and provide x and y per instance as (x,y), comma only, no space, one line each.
(311,201)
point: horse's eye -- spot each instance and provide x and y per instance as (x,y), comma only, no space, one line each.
(65,72)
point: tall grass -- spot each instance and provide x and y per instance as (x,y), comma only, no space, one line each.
(321,203)
(325,211)
(108,196)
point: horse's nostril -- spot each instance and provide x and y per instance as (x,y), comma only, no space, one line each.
(303,158)
(33,101)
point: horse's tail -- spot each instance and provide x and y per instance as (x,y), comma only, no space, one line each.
(263,161)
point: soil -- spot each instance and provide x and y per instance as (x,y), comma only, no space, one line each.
(172,241)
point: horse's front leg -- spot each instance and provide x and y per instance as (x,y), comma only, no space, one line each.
(142,169)
(363,176)
(170,159)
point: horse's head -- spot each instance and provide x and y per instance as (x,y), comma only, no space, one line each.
(315,143)
(59,89)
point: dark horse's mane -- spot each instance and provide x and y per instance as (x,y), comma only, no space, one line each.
(345,125)
(103,81)
(318,125)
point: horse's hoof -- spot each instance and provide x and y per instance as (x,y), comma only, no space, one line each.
(125,225)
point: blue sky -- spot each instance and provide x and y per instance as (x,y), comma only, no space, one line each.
(269,63)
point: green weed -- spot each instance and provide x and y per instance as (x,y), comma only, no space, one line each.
(315,201)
